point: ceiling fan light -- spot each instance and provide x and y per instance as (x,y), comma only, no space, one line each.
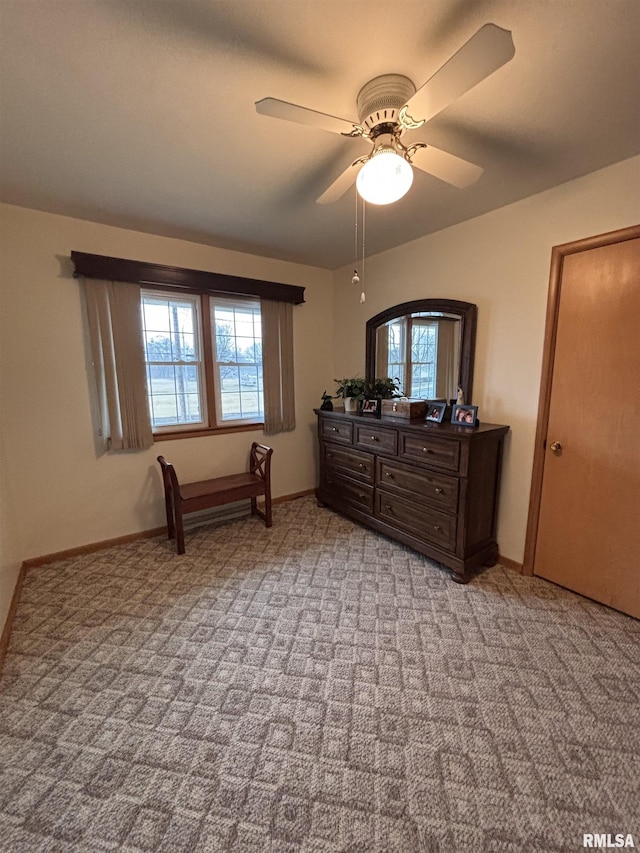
(385,178)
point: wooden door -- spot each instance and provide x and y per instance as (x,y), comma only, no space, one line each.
(587,536)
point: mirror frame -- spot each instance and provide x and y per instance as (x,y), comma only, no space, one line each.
(467,312)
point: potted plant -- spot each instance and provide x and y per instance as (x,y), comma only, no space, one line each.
(356,389)
(353,390)
(383,388)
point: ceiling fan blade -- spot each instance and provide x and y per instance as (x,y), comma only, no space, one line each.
(302,115)
(341,184)
(449,168)
(486,51)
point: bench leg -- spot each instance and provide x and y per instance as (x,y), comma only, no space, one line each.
(179,530)
(171,528)
(265,514)
(267,507)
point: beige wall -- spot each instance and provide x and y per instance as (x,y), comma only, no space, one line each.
(58,492)
(501,262)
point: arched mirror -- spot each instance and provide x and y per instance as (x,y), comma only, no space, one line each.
(429,344)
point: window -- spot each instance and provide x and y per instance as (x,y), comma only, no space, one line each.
(195,352)
(173,355)
(238,359)
(203,358)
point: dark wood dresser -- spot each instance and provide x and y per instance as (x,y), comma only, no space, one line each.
(433,487)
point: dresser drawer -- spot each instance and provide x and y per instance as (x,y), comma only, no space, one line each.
(375,438)
(354,462)
(358,495)
(438,452)
(439,490)
(420,521)
(336,430)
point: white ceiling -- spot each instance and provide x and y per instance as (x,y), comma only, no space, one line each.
(140,113)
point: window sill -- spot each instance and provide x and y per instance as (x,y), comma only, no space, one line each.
(198,433)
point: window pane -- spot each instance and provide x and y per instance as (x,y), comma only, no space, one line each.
(160,379)
(183,346)
(155,314)
(163,410)
(423,343)
(174,394)
(423,381)
(225,344)
(157,346)
(230,393)
(249,375)
(246,349)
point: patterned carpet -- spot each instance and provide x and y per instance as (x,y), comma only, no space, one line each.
(313,687)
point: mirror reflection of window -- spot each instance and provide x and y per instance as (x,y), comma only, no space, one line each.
(423,351)
(394,359)
(424,357)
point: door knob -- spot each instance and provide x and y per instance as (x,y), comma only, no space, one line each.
(555,447)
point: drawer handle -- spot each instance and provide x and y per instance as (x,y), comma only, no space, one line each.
(330,455)
(360,465)
(388,507)
(438,491)
(374,438)
(388,474)
(362,497)
(330,482)
(437,527)
(334,429)
(427,450)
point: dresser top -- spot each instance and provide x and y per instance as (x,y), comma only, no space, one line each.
(418,425)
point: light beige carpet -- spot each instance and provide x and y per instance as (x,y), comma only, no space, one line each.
(312,687)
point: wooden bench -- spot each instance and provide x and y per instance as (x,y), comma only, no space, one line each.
(191,497)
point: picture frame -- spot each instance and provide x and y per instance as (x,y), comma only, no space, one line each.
(435,411)
(466,416)
(370,408)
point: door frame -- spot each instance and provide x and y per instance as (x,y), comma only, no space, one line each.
(558,254)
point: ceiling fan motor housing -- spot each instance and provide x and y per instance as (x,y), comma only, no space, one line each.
(381,99)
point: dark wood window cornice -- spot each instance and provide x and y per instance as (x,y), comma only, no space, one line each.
(159,275)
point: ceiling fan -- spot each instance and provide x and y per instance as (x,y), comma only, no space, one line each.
(390,105)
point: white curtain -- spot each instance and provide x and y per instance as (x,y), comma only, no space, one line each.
(117,351)
(382,351)
(448,358)
(277,366)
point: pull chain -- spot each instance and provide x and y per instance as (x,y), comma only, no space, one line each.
(362,296)
(355,278)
